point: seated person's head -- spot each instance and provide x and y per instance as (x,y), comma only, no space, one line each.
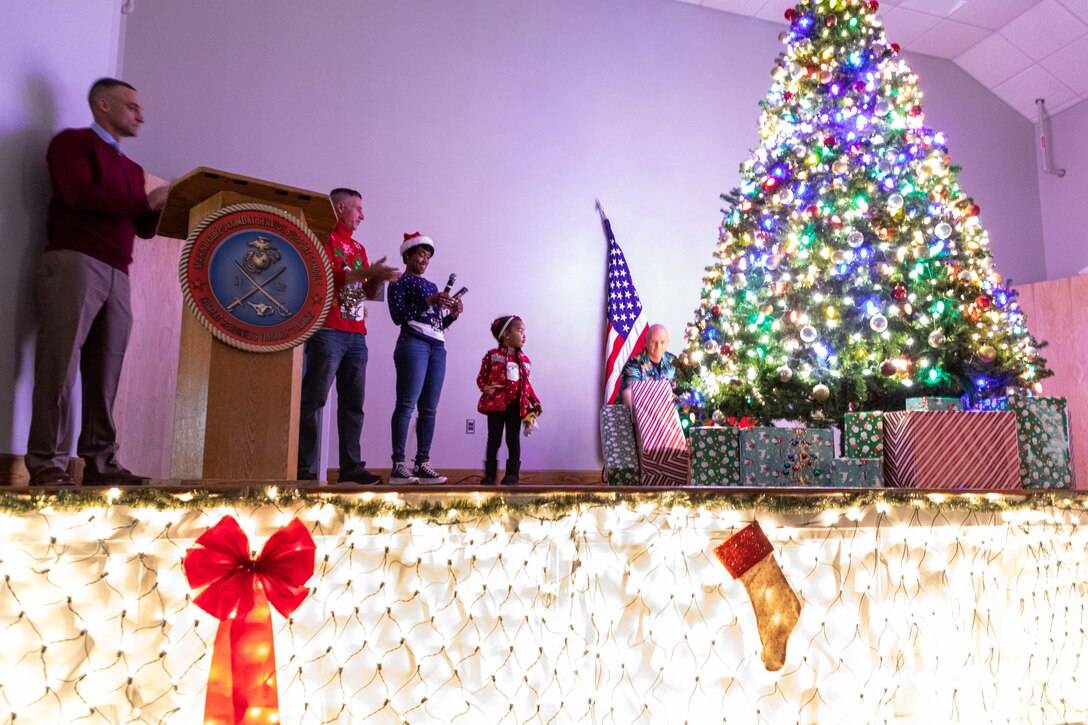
(656,341)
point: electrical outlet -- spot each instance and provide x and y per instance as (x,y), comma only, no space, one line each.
(470,426)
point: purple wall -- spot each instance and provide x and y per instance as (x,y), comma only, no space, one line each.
(50,53)
(994,145)
(492,126)
(1065,199)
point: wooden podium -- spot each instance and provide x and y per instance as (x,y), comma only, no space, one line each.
(226,426)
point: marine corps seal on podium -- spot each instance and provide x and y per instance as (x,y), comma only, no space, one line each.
(256,277)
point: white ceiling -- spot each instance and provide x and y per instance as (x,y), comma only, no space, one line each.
(1019,49)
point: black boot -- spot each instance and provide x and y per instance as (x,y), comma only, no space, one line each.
(491,470)
(512,469)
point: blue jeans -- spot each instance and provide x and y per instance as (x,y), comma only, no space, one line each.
(327,355)
(421,368)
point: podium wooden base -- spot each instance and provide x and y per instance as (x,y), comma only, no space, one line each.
(236,415)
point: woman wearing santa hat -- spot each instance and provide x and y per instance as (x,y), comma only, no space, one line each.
(423,313)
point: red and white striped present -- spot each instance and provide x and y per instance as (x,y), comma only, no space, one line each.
(663,450)
(951,449)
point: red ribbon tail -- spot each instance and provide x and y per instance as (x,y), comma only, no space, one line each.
(242,683)
(218,706)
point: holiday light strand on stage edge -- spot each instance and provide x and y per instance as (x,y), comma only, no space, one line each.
(850,268)
(447,506)
(609,611)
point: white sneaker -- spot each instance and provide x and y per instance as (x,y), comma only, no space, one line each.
(426,474)
(401,475)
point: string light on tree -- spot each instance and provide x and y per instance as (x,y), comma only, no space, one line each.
(849,248)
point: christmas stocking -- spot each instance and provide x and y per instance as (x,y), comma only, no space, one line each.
(748,556)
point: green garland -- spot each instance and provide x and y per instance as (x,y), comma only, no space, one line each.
(428,505)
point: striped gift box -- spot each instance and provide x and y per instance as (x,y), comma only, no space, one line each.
(950,449)
(663,450)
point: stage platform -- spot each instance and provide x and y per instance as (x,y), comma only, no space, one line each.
(587,604)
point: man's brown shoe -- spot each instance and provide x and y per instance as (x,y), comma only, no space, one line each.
(122,477)
(51,476)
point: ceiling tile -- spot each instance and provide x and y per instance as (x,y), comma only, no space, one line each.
(740,7)
(1070,65)
(902,26)
(1077,7)
(1021,90)
(1053,110)
(993,61)
(940,8)
(774,10)
(992,14)
(1045,28)
(948,39)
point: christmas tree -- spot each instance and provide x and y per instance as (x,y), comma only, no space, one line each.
(850,270)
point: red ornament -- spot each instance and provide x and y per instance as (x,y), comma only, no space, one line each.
(788,96)
(830,21)
(915,110)
(836,221)
(983,302)
(770,182)
(830,142)
(899,292)
(238,590)
(895,48)
(790,14)
(973,210)
(873,5)
(812,210)
(716,310)
(726,349)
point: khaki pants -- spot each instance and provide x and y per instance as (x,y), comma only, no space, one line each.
(84,327)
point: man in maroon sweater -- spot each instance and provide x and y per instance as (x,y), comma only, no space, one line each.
(97,207)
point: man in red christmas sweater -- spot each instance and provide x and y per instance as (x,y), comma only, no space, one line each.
(97,208)
(338,350)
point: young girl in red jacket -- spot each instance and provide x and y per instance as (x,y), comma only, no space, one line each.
(508,397)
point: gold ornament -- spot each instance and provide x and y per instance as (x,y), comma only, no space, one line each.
(821,392)
(987,353)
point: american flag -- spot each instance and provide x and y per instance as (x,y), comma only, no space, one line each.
(626,324)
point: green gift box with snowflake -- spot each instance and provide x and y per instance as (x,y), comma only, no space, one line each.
(863,434)
(618,441)
(786,456)
(715,456)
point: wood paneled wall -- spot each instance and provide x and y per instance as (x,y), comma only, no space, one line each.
(145,400)
(1057,312)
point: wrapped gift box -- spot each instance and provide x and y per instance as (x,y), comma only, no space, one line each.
(950,449)
(662,448)
(857,473)
(929,403)
(618,441)
(715,456)
(1042,439)
(786,456)
(863,434)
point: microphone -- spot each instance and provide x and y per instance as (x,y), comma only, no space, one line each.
(460,292)
(449,283)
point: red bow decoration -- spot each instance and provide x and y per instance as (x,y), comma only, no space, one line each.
(236,589)
(745,423)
